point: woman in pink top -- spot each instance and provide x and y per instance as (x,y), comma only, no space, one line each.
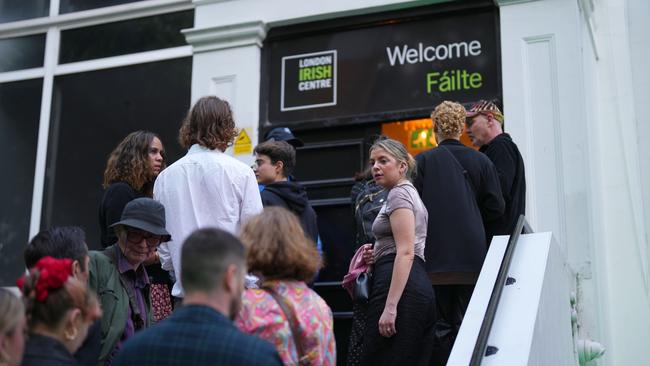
(284,259)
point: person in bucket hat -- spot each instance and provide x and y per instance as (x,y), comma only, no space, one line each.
(118,275)
(484,124)
(147,215)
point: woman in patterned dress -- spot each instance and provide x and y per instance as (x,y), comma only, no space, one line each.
(284,259)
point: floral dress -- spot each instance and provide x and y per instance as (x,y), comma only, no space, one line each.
(262,316)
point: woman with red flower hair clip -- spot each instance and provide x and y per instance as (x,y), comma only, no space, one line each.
(60,309)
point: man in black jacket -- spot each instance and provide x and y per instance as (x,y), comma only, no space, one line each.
(274,162)
(460,189)
(485,128)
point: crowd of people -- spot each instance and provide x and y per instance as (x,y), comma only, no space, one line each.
(208,261)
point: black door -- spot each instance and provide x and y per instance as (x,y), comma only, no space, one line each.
(326,166)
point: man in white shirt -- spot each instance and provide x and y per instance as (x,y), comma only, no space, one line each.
(205,188)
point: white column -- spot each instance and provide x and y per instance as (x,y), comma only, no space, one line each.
(226,63)
(622,241)
(566,92)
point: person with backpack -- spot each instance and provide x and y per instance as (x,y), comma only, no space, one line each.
(367,197)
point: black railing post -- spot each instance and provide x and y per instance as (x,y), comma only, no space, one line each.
(481,341)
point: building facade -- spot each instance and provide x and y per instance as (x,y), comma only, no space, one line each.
(77,76)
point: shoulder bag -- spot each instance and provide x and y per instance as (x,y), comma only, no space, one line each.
(303,359)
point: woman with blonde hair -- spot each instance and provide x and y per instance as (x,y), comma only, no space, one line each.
(12,329)
(284,310)
(60,309)
(401,307)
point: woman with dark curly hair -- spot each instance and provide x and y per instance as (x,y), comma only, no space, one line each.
(130,173)
(60,309)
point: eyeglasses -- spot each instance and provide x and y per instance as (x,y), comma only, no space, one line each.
(136,237)
(258,163)
(471,121)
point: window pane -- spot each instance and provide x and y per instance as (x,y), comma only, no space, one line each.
(91,113)
(19,114)
(22,52)
(13,10)
(129,36)
(69,6)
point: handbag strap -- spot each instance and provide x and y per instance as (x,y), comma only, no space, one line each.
(462,169)
(291,317)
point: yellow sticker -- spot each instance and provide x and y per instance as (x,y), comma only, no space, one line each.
(243,144)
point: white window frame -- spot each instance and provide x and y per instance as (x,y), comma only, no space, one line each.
(52,26)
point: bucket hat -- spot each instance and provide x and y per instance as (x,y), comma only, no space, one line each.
(147,215)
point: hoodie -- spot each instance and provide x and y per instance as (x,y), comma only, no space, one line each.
(292,196)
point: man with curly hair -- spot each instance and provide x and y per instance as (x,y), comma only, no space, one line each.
(206,187)
(460,189)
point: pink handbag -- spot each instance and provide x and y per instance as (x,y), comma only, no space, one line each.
(357,266)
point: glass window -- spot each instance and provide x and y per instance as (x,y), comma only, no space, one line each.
(22,52)
(20,103)
(91,113)
(69,6)
(14,10)
(129,36)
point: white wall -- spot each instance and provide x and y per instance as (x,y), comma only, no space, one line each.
(637,13)
(227,39)
(542,84)
(576,118)
(232,74)
(283,12)
(622,242)
(575,123)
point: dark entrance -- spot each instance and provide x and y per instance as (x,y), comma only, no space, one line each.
(337,83)
(326,166)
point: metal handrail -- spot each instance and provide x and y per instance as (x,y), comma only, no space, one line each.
(481,345)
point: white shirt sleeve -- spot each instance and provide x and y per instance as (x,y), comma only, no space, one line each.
(163,249)
(251,200)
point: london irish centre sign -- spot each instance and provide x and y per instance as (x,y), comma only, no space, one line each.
(394,67)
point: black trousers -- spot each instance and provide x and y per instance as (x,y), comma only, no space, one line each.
(415,320)
(355,344)
(451,305)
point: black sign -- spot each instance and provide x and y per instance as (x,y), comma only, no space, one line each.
(391,68)
(308,81)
